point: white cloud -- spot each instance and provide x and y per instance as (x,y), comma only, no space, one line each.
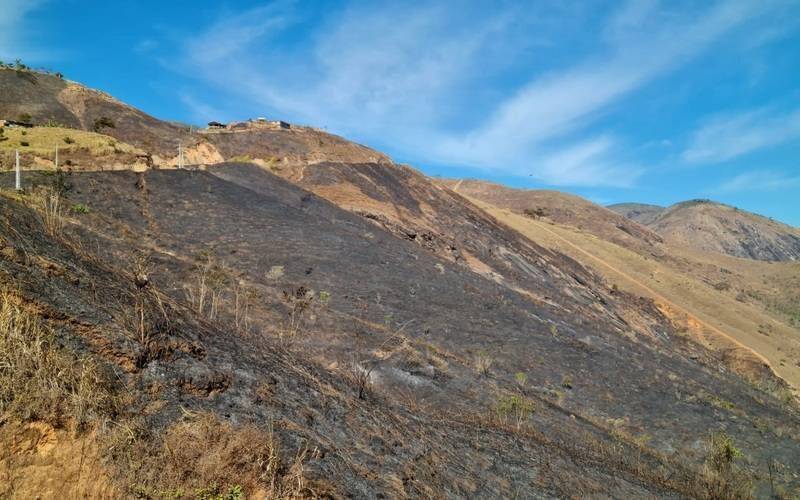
(759,181)
(412,77)
(201,110)
(726,137)
(12,16)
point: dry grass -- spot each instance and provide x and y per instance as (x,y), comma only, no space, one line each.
(683,281)
(204,457)
(40,381)
(42,142)
(48,202)
(483,363)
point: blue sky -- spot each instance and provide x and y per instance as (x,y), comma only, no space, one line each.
(643,100)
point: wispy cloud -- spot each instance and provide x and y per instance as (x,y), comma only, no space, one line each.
(414,77)
(725,137)
(564,102)
(759,181)
(12,16)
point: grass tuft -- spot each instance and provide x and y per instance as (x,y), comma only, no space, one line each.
(41,381)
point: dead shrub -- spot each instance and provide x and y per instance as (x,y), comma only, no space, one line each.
(360,377)
(49,203)
(40,381)
(299,301)
(204,292)
(483,363)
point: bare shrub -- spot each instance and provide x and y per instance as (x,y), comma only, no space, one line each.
(299,302)
(483,363)
(215,293)
(49,203)
(39,381)
(242,298)
(204,291)
(361,376)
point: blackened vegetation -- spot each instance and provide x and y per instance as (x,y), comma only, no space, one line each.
(424,421)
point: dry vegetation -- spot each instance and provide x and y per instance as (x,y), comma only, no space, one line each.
(201,456)
(42,142)
(39,380)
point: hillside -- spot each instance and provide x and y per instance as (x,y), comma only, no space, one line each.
(313,320)
(721,301)
(420,337)
(639,212)
(49,100)
(714,227)
(561,208)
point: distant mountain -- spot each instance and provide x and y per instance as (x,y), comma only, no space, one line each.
(561,208)
(639,212)
(715,227)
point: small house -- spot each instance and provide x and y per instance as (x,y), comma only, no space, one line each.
(215,125)
(279,124)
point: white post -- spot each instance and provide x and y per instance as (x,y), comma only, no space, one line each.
(18,183)
(56,157)
(180,155)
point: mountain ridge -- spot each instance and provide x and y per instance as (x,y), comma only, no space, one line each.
(713,226)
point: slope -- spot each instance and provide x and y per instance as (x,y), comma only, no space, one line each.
(429,332)
(741,331)
(711,226)
(642,213)
(197,401)
(562,208)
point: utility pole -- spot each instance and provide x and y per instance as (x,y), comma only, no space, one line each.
(18,183)
(180,155)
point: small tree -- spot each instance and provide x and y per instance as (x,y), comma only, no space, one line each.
(103,122)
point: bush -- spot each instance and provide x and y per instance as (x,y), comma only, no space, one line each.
(103,122)
(24,144)
(724,479)
(25,118)
(48,201)
(69,140)
(80,208)
(514,407)
(535,213)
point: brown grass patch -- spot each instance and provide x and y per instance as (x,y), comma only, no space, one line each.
(204,457)
(41,381)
